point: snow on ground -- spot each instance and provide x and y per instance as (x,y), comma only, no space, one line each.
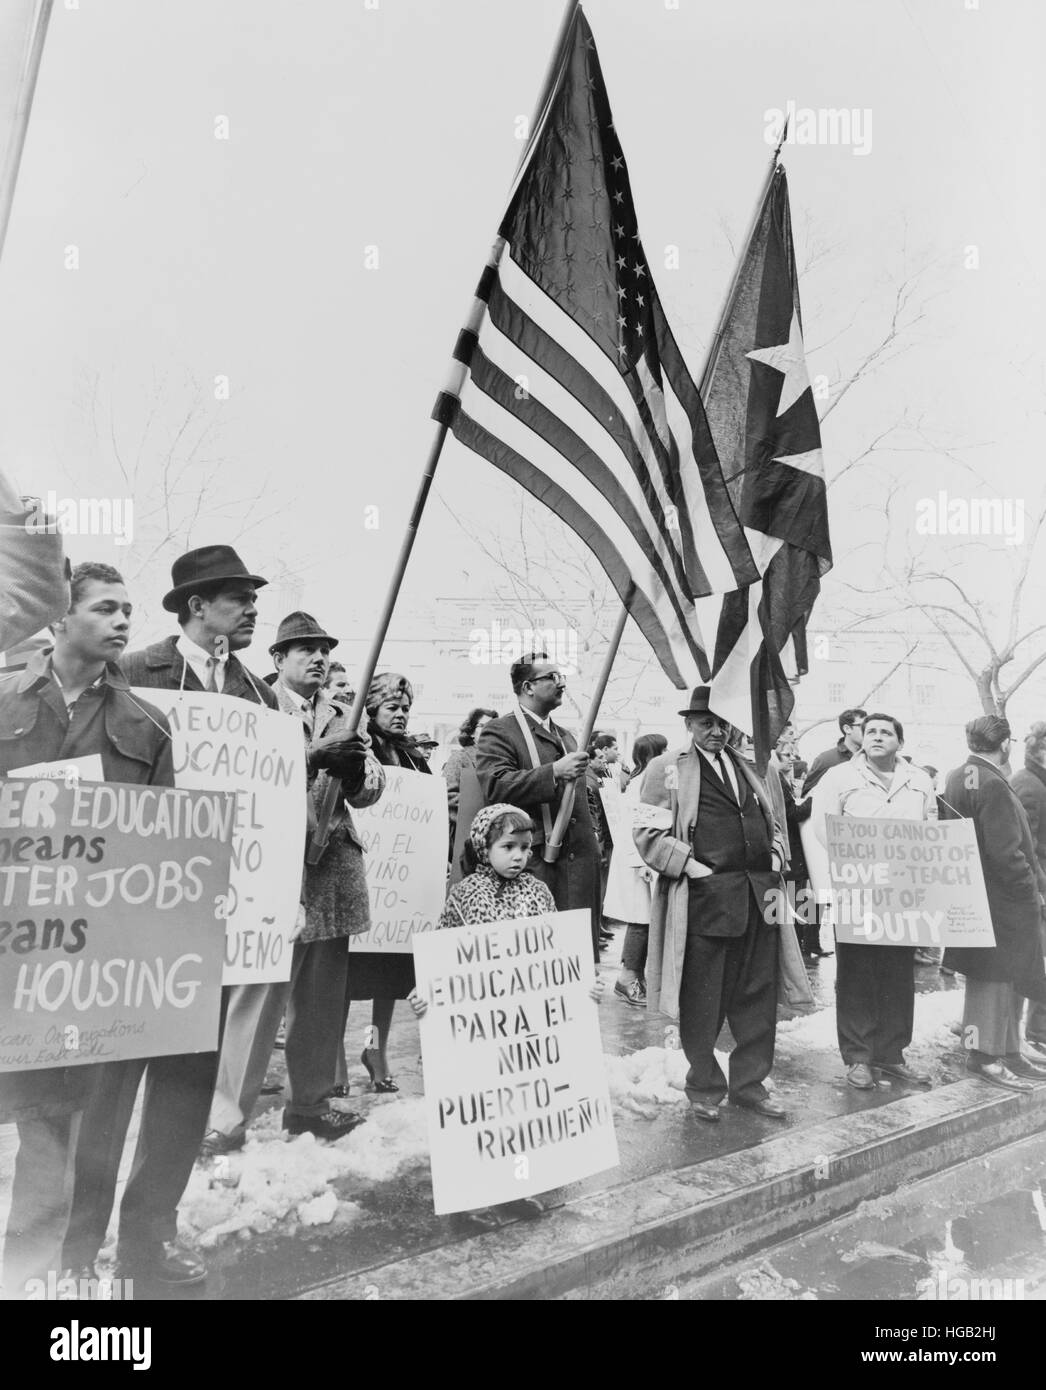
(279,1181)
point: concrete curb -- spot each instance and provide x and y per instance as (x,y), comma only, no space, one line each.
(634,1240)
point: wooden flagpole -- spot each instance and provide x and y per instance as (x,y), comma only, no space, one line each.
(333,792)
(566,801)
(21,122)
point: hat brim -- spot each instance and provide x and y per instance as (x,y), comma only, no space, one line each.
(332,642)
(686,712)
(172,601)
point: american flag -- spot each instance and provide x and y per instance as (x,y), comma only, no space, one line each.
(569,380)
(764,422)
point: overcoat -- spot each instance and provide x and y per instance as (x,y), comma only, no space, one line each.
(336,897)
(1030,785)
(670,795)
(162,667)
(980,790)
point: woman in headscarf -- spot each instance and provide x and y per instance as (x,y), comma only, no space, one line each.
(385,976)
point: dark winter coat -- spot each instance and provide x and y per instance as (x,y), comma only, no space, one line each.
(1030,785)
(33,587)
(980,791)
(162,667)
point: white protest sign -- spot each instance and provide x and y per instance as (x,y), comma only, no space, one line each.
(515,1086)
(405,845)
(907,882)
(223,743)
(68,770)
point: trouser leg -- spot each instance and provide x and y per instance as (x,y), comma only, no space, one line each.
(252,1020)
(895,1002)
(633,952)
(175,1106)
(701,1013)
(751,1009)
(41,1200)
(855,1001)
(98,1152)
(315,1009)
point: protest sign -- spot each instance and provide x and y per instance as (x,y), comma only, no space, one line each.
(111,933)
(405,844)
(71,770)
(227,744)
(515,1087)
(907,883)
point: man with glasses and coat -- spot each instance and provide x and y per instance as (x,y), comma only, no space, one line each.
(525,759)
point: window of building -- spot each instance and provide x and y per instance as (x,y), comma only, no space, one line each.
(836,693)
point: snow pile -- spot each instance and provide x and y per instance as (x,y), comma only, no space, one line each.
(765,1283)
(641,1080)
(276,1181)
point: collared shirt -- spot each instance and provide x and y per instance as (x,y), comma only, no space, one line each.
(203,662)
(854,789)
(545,723)
(69,703)
(305,707)
(728,772)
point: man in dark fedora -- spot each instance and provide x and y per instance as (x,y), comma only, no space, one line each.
(335,899)
(213,596)
(706,825)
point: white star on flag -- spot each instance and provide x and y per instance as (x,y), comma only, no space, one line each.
(790,359)
(811,462)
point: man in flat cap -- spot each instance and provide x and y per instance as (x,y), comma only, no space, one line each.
(335,900)
(998,978)
(706,826)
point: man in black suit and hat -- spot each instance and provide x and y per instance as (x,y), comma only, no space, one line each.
(707,827)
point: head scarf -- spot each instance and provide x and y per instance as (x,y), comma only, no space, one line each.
(987,733)
(384,686)
(481,823)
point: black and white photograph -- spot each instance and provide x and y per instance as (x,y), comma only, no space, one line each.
(523,663)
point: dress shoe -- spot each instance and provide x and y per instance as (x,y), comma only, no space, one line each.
(215,1143)
(483,1219)
(704,1112)
(524,1208)
(166,1264)
(905,1073)
(338,1092)
(332,1124)
(764,1105)
(273,1089)
(632,994)
(1024,1066)
(999,1074)
(1035,1050)
(860,1075)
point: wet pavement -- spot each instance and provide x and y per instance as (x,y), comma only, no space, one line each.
(975,1233)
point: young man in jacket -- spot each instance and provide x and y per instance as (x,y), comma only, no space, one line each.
(70,703)
(706,826)
(875,985)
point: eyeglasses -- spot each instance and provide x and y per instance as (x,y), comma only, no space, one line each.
(550,676)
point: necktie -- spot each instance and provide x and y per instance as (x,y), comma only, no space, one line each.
(721,769)
(212,674)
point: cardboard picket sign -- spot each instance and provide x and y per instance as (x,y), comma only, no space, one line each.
(111,926)
(515,1084)
(906,882)
(224,743)
(405,847)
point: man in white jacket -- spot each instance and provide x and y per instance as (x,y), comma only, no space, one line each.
(875,985)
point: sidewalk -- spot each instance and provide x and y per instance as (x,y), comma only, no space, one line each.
(285,1217)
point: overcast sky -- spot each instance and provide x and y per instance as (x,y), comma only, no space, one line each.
(395,127)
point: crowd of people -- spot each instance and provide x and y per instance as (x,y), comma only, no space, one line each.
(683,851)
